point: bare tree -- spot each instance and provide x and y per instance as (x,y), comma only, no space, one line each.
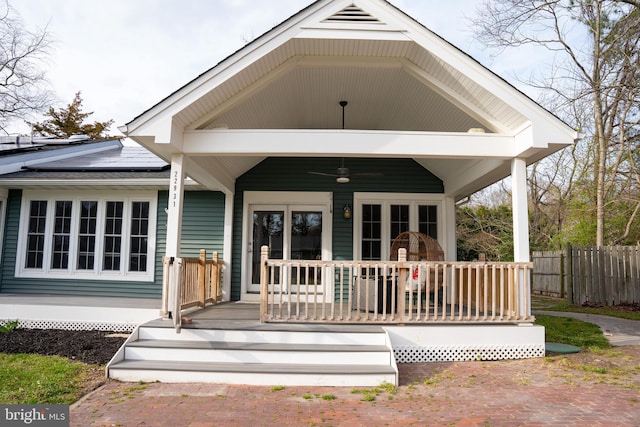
(595,47)
(22,77)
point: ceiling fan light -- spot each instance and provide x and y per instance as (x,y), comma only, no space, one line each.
(342,179)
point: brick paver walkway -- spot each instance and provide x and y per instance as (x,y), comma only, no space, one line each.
(558,391)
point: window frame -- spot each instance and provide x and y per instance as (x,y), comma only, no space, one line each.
(73,271)
(413,200)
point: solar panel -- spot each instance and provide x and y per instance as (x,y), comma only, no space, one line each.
(6,149)
(121,159)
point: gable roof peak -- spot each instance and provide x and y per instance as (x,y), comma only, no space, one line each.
(352,14)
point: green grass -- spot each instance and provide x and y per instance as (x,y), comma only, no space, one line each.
(573,331)
(32,379)
(553,304)
(567,330)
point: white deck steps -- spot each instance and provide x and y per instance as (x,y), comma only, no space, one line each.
(331,356)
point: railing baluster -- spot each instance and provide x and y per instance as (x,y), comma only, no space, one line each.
(511,293)
(475,285)
(272,286)
(502,292)
(485,291)
(469,290)
(460,291)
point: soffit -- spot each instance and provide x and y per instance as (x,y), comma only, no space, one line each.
(389,84)
(378,99)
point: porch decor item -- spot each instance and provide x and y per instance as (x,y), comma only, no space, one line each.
(420,247)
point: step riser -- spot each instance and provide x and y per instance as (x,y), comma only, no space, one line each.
(257,356)
(338,380)
(275,337)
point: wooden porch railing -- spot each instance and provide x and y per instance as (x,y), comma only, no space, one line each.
(198,281)
(394,291)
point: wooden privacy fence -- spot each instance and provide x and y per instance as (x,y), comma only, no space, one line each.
(608,275)
(550,274)
(394,291)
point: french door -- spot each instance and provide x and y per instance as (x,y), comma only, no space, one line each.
(292,232)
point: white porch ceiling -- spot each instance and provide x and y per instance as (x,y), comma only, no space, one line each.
(378,99)
(390,85)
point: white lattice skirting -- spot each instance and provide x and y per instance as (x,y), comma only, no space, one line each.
(418,354)
(453,343)
(71,325)
(76,318)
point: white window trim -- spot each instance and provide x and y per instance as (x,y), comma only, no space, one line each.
(387,199)
(96,273)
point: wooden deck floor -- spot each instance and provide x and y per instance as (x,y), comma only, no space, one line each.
(244,315)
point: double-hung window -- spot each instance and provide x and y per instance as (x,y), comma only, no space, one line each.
(84,235)
(380,217)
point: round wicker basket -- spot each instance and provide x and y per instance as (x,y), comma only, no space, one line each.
(419,246)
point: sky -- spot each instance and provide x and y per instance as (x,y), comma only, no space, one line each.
(124,56)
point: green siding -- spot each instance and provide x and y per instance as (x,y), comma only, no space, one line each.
(161,237)
(202,223)
(202,228)
(292,174)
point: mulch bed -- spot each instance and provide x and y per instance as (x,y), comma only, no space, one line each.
(92,347)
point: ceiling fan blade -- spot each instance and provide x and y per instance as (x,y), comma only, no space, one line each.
(365,174)
(323,174)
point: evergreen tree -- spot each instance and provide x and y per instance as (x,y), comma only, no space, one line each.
(69,121)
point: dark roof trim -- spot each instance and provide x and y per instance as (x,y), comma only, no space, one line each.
(50,168)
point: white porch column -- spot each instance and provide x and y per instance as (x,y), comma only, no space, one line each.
(174,228)
(451,252)
(174,208)
(520,228)
(520,210)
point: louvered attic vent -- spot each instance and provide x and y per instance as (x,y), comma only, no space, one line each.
(352,14)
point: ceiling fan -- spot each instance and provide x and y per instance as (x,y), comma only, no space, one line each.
(343,175)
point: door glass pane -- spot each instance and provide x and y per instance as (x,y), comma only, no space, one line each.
(306,243)
(268,229)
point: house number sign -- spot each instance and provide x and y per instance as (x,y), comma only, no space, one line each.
(174,188)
